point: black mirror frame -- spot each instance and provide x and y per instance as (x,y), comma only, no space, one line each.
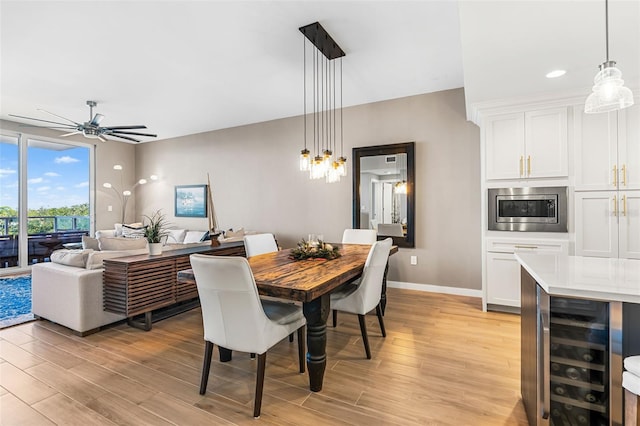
(399,148)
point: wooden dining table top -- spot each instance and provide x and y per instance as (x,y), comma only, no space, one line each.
(277,275)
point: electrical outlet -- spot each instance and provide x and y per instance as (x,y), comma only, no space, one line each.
(109,208)
(414,260)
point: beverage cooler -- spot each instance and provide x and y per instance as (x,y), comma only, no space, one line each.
(571,359)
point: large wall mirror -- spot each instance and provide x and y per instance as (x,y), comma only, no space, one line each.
(384,191)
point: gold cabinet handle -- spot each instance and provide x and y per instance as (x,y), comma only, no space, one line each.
(615,205)
(529,166)
(521,165)
(615,175)
(624,205)
(526,247)
(624,175)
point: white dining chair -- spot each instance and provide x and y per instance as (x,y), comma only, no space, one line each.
(235,318)
(256,244)
(360,298)
(390,230)
(359,236)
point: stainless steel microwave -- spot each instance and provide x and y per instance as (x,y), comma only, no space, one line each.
(541,209)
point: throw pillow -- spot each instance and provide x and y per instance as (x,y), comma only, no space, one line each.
(176,236)
(77,258)
(129,231)
(116,243)
(90,243)
(105,233)
(195,236)
(231,234)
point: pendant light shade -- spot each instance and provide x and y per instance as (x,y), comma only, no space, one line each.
(609,93)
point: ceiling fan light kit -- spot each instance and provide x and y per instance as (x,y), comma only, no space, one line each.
(609,93)
(90,129)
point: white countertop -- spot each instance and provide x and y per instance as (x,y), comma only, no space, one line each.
(613,280)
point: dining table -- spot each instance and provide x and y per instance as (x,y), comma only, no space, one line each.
(310,282)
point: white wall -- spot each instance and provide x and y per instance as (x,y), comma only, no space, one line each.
(256,183)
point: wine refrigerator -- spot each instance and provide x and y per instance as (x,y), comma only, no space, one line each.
(572,372)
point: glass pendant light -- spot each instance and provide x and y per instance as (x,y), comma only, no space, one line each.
(609,93)
(305,160)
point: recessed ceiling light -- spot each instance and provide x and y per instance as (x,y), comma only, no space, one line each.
(556,73)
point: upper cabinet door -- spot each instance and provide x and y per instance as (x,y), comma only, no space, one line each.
(546,143)
(504,137)
(629,218)
(629,147)
(596,137)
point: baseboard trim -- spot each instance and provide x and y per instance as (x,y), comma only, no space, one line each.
(435,288)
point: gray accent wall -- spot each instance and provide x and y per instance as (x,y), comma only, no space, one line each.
(256,183)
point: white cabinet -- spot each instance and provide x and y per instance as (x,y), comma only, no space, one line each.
(608,224)
(502,281)
(531,144)
(607,149)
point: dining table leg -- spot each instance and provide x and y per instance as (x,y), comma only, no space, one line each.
(316,313)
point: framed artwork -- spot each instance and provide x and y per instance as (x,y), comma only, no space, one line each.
(191,201)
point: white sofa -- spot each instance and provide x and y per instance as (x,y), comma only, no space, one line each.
(68,290)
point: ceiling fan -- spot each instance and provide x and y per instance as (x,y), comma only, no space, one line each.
(91,129)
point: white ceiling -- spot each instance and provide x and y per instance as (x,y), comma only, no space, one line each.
(184,67)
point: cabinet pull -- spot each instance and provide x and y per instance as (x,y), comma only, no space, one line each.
(529,166)
(615,175)
(624,205)
(615,205)
(624,175)
(521,165)
(526,247)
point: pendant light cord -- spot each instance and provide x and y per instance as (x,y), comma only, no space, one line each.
(606,26)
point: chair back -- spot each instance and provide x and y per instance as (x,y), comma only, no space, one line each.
(256,244)
(390,229)
(367,296)
(232,313)
(359,236)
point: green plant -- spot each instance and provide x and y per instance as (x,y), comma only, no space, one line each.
(156,229)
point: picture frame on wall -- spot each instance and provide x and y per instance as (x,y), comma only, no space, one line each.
(191,201)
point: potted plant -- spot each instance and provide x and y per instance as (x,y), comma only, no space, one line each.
(155,231)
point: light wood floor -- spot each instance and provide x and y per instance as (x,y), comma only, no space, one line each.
(443,362)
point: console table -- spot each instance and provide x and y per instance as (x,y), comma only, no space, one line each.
(140,284)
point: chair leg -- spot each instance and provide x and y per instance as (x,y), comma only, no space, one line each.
(301,351)
(291,338)
(257,403)
(365,338)
(206,366)
(335,318)
(252,355)
(380,320)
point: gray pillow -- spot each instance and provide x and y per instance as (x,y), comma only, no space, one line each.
(90,243)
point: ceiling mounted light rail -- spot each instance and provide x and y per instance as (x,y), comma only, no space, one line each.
(609,93)
(324,125)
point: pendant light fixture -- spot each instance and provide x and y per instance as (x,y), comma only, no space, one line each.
(323,126)
(609,93)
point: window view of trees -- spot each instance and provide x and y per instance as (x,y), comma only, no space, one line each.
(44,220)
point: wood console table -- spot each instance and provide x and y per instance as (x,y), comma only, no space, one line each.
(140,284)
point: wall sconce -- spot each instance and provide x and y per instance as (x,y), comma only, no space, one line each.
(124,195)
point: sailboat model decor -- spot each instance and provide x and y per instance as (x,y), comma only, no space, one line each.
(213,223)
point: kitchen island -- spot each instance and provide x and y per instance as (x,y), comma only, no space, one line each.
(580,317)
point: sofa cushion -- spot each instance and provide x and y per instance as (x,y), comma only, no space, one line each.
(231,233)
(122,243)
(90,243)
(176,236)
(94,260)
(77,258)
(105,233)
(195,236)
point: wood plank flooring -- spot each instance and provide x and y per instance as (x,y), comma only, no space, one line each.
(443,362)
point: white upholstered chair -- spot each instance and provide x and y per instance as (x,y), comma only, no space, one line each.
(390,230)
(235,317)
(360,298)
(631,385)
(359,236)
(256,244)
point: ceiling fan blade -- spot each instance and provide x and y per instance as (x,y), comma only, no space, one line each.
(123,137)
(69,134)
(44,121)
(139,126)
(113,132)
(96,119)
(59,116)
